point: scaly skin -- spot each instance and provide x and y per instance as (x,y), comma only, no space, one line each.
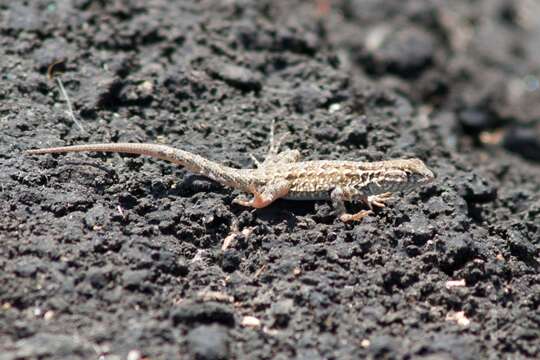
(283,175)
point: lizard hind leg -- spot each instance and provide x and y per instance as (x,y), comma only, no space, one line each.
(255,160)
(274,156)
(274,146)
(270,193)
(284,157)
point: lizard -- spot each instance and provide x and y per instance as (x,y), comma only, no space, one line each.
(284,175)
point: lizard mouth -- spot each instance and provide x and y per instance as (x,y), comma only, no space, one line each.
(425,175)
(429,176)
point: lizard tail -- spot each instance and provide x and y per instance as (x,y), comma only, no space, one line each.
(197,164)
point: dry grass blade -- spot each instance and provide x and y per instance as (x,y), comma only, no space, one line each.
(51,70)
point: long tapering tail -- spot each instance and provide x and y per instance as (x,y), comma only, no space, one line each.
(225,175)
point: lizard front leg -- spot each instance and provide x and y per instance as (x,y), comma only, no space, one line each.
(378,200)
(270,193)
(339,196)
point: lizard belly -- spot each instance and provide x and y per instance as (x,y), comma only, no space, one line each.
(307,195)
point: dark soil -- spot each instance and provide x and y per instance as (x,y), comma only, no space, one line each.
(115,257)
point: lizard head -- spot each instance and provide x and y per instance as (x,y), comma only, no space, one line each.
(399,175)
(416,171)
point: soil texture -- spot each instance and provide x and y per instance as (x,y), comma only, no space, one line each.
(125,257)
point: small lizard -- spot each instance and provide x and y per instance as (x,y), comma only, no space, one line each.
(284,175)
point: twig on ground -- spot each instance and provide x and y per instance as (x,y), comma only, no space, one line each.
(51,75)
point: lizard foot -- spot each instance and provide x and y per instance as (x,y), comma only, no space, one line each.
(257,201)
(255,161)
(355,217)
(379,200)
(270,193)
(241,200)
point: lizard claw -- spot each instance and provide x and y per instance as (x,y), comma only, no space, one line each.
(254,159)
(355,217)
(257,201)
(240,200)
(379,200)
